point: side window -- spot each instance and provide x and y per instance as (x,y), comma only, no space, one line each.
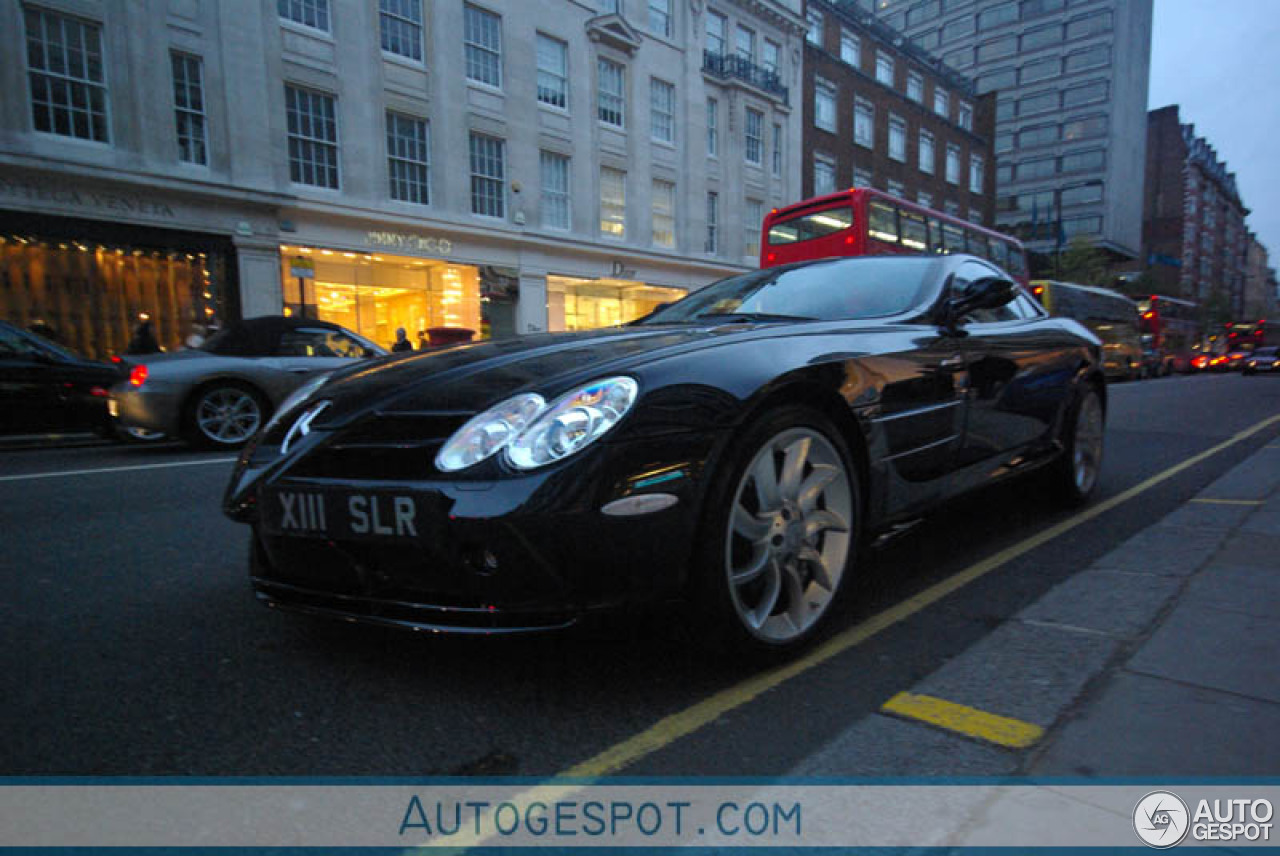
(14,347)
(935,236)
(319,342)
(1025,308)
(883,222)
(971,271)
(915,234)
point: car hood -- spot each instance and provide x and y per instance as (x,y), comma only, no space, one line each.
(469,378)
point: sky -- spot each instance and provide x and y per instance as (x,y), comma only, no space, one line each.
(1216,59)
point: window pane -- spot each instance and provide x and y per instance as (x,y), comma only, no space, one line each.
(488,176)
(401,26)
(408,158)
(555,190)
(664,213)
(553,72)
(483,40)
(613,202)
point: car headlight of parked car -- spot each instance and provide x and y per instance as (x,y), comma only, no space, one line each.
(534,433)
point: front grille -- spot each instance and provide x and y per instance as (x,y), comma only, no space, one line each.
(383,447)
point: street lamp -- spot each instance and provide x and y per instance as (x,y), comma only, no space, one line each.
(1057,203)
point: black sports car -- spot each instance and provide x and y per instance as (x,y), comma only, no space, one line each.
(733,448)
(45,387)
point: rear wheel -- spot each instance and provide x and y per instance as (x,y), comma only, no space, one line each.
(1076,473)
(781,534)
(224,415)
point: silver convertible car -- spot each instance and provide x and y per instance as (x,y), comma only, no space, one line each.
(220,394)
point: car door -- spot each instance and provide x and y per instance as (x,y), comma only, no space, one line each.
(1017,379)
(30,387)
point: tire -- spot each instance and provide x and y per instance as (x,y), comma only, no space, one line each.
(224,415)
(780,533)
(1075,474)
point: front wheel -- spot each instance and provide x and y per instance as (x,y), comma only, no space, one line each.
(782,532)
(1076,473)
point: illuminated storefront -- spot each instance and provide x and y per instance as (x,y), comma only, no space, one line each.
(88,285)
(575,303)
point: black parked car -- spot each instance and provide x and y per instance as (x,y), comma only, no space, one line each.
(46,388)
(733,448)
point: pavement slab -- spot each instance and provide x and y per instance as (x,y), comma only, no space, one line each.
(1237,589)
(1258,480)
(1209,515)
(883,746)
(1176,551)
(1214,648)
(1147,726)
(1119,603)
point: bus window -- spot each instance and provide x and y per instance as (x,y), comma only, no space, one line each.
(952,238)
(1000,253)
(935,236)
(809,226)
(915,234)
(1017,262)
(882,222)
(978,244)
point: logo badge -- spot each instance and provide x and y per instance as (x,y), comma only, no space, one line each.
(1161,819)
(302,427)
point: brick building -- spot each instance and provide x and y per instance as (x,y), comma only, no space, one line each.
(881,112)
(1193,228)
(1259,282)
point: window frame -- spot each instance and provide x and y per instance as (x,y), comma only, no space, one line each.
(398,156)
(562,197)
(555,78)
(478,54)
(482,182)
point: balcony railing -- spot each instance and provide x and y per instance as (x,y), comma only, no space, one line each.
(727,66)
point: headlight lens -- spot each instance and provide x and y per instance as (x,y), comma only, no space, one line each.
(291,403)
(573,422)
(486,434)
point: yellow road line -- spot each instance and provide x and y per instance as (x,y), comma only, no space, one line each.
(671,728)
(682,723)
(1209,501)
(969,721)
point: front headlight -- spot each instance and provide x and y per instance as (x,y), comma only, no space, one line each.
(488,433)
(295,398)
(573,422)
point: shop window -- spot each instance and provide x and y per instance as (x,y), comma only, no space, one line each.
(588,304)
(65,65)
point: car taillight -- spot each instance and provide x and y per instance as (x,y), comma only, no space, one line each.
(98,392)
(138,376)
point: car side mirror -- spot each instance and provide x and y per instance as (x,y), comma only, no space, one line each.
(989,292)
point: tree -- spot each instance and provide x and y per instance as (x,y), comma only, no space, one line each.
(1082,262)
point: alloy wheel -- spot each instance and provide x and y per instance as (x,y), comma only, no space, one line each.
(789,535)
(1086,452)
(228,415)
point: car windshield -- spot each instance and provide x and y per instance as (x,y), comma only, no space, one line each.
(1266,352)
(835,289)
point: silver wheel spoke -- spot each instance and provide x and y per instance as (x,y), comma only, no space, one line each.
(749,526)
(823,521)
(766,482)
(757,567)
(758,616)
(793,467)
(814,485)
(818,565)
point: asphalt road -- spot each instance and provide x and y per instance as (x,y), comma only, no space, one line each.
(130,642)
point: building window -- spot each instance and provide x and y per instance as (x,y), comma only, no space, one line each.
(68,90)
(864,123)
(997,48)
(313,137)
(1090,58)
(553,72)
(309,13)
(664,213)
(1096,159)
(712,245)
(610,7)
(754,132)
(746,46)
(1035,136)
(897,138)
(483,39)
(1080,129)
(953,164)
(925,199)
(1039,70)
(409,158)
(1041,102)
(1084,94)
(951,207)
(941,102)
(188,107)
(884,68)
(1090,25)
(975,216)
(777,149)
(771,59)
(555,190)
(1039,168)
(1084,194)
(713,127)
(915,87)
(753,219)
(717,33)
(1041,37)
(1006,13)
(862,178)
(975,174)
(662,110)
(401,24)
(1002,79)
(660,17)
(959,28)
(613,202)
(896,189)
(965,115)
(814,18)
(610,104)
(824,104)
(824,176)
(851,48)
(927,155)
(488,176)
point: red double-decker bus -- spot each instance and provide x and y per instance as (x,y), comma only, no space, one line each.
(863,221)
(1171,329)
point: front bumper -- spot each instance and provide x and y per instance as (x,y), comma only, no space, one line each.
(518,553)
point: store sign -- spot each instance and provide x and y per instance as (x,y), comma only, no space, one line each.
(302,267)
(61,194)
(408,241)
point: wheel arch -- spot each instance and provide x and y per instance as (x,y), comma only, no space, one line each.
(189,400)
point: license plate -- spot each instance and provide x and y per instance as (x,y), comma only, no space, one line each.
(113,407)
(342,515)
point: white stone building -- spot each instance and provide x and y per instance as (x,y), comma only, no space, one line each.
(499,166)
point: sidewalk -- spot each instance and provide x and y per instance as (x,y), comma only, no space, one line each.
(1161,659)
(51,441)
